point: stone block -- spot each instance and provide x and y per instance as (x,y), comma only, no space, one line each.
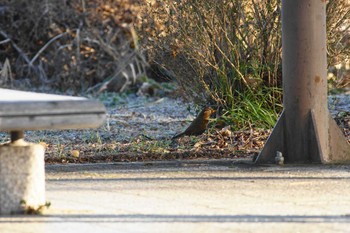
(22,177)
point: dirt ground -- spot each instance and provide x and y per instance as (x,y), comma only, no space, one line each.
(140,128)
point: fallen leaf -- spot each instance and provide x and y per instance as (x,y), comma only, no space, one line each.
(75,153)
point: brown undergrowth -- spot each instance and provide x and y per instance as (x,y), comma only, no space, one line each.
(66,46)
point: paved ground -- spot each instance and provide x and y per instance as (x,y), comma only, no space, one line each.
(198,196)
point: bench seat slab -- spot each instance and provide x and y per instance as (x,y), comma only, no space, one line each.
(20,110)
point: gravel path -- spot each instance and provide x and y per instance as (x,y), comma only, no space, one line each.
(156,118)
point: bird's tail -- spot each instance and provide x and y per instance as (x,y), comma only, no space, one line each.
(178,135)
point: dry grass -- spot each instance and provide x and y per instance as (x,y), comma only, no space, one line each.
(67,45)
(338,31)
(229,46)
(229,52)
(74,45)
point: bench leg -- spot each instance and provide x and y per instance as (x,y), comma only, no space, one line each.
(16,135)
(22,175)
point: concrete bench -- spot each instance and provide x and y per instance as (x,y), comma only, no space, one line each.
(22,173)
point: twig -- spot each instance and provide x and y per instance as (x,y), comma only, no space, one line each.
(19,50)
(5,72)
(5,41)
(44,47)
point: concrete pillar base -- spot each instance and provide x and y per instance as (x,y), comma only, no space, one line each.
(337,152)
(22,177)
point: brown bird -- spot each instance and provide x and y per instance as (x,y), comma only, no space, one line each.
(199,124)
